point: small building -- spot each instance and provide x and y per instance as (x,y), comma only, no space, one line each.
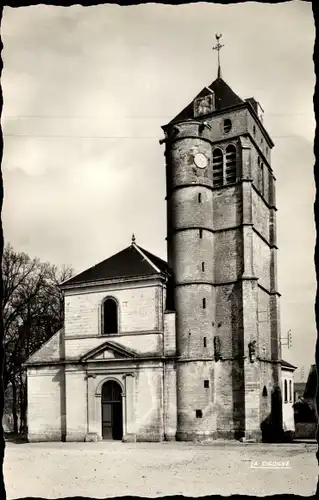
(311,385)
(306,418)
(287,377)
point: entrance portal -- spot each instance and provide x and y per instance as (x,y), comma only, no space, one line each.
(112,414)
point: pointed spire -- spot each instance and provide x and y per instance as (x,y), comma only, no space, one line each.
(133,239)
(218,47)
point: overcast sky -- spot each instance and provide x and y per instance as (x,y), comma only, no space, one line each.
(86,90)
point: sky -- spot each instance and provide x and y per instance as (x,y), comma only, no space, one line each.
(86,90)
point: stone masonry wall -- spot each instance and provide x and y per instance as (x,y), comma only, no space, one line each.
(137,309)
(76,404)
(46,412)
(149,404)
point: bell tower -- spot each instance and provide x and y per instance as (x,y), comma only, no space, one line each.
(221,244)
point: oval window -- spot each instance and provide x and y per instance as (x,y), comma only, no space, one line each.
(227,125)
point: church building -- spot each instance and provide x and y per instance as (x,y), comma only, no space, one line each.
(189,348)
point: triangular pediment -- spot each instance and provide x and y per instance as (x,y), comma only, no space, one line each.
(109,350)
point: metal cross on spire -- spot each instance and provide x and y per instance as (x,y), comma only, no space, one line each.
(218,47)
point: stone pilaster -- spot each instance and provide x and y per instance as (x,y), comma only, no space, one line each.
(91,419)
(129,434)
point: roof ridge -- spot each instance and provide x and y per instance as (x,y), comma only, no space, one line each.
(147,252)
(29,361)
(148,260)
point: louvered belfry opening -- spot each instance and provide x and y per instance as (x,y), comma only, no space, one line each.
(217,167)
(231,172)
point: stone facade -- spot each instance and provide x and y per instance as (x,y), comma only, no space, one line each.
(206,365)
(222,250)
(287,388)
(65,377)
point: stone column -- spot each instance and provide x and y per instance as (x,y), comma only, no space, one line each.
(129,434)
(91,434)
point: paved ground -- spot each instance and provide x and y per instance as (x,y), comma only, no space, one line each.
(105,469)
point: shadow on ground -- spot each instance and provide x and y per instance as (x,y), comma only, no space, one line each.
(10,437)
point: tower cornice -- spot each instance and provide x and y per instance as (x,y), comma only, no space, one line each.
(220,112)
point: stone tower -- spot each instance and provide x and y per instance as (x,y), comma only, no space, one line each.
(221,241)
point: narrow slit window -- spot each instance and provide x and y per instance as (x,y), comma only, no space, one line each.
(261,182)
(285,391)
(205,341)
(218,162)
(199,197)
(254,129)
(203,266)
(231,171)
(204,303)
(290,391)
(200,233)
(199,414)
(206,384)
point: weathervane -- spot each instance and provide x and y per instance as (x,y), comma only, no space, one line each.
(218,47)
(133,238)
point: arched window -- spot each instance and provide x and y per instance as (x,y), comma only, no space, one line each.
(218,159)
(110,317)
(285,391)
(231,171)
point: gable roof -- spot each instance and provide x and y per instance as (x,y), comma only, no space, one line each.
(311,385)
(131,262)
(225,97)
(300,387)
(285,364)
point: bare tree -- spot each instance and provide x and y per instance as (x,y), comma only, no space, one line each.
(33,310)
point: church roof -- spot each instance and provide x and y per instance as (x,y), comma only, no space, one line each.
(311,385)
(50,352)
(285,364)
(133,261)
(225,97)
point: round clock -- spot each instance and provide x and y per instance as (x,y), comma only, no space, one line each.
(200,160)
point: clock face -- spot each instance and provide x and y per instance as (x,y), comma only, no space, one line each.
(200,160)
